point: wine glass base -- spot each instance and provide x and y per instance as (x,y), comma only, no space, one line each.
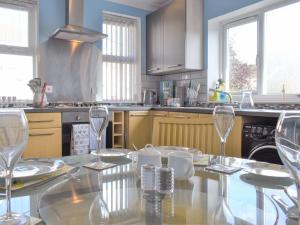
(15,219)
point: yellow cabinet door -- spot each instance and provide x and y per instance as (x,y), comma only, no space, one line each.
(44,143)
(139,129)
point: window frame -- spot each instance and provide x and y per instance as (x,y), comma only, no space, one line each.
(31,7)
(138,53)
(242,19)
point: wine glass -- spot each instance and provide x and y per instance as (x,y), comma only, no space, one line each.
(287,137)
(13,140)
(223,214)
(99,121)
(223,121)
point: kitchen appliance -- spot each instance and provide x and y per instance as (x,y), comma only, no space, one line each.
(74,30)
(260,135)
(149,97)
(81,116)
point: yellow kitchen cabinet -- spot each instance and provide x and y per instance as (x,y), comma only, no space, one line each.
(197,133)
(193,133)
(183,115)
(45,135)
(138,127)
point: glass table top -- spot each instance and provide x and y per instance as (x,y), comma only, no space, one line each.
(113,196)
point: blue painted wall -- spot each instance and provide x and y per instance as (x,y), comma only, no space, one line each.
(52,15)
(215,8)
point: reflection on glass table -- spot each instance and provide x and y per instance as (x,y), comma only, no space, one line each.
(194,201)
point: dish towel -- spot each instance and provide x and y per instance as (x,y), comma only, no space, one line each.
(80,139)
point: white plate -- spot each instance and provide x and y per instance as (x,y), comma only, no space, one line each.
(267,172)
(111,152)
(166,150)
(29,170)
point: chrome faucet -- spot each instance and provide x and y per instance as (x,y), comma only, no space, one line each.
(223,92)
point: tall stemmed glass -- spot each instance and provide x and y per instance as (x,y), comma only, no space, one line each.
(287,139)
(13,140)
(99,122)
(223,214)
(223,121)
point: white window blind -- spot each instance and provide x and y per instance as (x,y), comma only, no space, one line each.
(17,47)
(121,64)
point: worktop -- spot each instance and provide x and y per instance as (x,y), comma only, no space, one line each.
(239,112)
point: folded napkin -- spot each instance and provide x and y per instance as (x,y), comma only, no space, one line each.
(35,221)
(222,168)
(202,160)
(80,139)
(19,184)
(99,167)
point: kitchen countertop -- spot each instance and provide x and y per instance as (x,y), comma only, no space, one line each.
(239,112)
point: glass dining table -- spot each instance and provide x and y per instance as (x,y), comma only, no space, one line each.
(113,196)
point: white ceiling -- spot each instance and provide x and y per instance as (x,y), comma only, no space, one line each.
(149,5)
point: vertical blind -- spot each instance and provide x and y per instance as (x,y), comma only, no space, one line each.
(120,78)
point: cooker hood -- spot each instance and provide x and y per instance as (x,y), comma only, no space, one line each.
(74,30)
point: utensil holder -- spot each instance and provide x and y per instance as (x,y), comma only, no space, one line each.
(39,100)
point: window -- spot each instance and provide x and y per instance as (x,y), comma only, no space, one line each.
(262,50)
(121,59)
(17,48)
(241,55)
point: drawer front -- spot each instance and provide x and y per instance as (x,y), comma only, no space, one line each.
(44,143)
(43,120)
(183,115)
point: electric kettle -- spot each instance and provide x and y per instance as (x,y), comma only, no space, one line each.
(149,97)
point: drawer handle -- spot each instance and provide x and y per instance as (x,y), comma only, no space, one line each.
(41,134)
(182,117)
(138,115)
(153,69)
(173,66)
(163,115)
(40,121)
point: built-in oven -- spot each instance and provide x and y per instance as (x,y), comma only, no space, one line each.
(80,117)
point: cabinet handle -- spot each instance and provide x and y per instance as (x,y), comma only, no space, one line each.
(182,117)
(153,69)
(41,134)
(138,115)
(40,121)
(162,115)
(173,66)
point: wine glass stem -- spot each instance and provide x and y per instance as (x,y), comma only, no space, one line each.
(222,151)
(98,149)
(8,191)
(223,148)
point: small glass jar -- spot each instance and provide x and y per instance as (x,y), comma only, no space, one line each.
(247,100)
(164,180)
(148,177)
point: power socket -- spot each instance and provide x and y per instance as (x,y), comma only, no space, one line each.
(49,89)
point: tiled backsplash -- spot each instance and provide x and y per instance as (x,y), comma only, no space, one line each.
(152,82)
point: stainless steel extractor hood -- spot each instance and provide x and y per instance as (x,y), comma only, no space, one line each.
(74,30)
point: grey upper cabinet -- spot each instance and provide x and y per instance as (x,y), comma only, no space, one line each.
(154,43)
(175,38)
